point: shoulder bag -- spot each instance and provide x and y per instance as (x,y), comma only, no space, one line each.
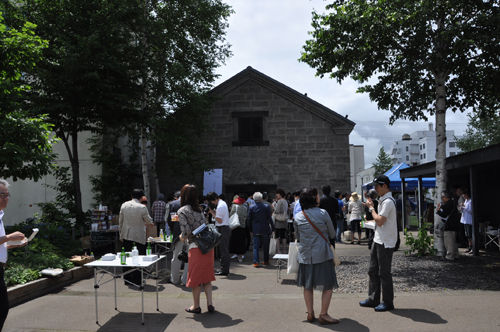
(336,260)
(208,238)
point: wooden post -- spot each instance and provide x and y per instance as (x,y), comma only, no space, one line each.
(475,221)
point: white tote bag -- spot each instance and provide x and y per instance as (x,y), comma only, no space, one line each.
(234,221)
(293,260)
(272,247)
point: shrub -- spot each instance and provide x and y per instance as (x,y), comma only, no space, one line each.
(26,263)
(422,245)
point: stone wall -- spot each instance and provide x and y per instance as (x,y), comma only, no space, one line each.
(304,150)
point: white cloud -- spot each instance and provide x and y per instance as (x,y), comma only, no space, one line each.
(269,35)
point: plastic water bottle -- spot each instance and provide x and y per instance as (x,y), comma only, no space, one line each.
(161,234)
(135,255)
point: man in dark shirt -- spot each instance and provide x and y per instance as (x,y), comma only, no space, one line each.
(261,227)
(330,204)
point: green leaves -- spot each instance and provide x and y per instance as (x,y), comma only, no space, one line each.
(382,163)
(406,45)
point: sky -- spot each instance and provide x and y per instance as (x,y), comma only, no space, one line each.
(269,35)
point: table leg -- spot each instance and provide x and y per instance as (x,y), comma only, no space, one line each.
(157,276)
(114,277)
(95,292)
(142,294)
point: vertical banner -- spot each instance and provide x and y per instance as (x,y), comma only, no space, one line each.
(212,181)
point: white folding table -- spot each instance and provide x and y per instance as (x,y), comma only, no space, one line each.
(113,269)
(280,261)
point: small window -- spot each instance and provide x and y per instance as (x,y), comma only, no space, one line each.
(407,158)
(425,156)
(406,149)
(452,144)
(250,130)
(423,146)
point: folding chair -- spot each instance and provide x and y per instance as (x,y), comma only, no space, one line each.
(493,236)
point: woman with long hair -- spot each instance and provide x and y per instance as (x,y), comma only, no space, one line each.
(201,266)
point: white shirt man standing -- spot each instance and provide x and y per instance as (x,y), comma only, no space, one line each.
(384,241)
(221,216)
(16,236)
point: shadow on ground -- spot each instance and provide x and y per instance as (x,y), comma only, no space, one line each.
(131,322)
(346,324)
(216,320)
(420,315)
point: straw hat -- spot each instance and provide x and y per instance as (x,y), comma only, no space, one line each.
(355,196)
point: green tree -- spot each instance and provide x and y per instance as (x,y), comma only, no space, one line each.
(182,44)
(481,132)
(382,163)
(25,141)
(414,57)
(88,79)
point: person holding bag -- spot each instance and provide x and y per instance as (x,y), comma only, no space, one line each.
(201,266)
(238,243)
(280,216)
(316,266)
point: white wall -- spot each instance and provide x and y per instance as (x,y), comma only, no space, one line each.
(365,176)
(25,194)
(357,163)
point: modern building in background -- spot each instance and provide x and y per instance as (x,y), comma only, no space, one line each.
(357,164)
(420,147)
(363,177)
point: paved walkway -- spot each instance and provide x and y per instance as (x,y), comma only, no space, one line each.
(252,300)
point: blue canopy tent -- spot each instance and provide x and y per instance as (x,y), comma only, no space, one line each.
(411,183)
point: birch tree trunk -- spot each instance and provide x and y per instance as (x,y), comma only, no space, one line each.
(440,156)
(154,173)
(144,165)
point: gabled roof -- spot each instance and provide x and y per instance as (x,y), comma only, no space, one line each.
(286,92)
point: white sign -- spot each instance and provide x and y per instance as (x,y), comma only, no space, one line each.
(212,181)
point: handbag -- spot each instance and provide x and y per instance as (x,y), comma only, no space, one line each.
(336,260)
(272,247)
(208,238)
(183,256)
(293,261)
(234,221)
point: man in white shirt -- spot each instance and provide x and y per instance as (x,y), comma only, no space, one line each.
(16,236)
(384,241)
(221,216)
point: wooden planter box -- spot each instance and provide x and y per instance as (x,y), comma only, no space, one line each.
(21,293)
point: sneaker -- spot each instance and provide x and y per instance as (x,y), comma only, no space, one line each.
(384,307)
(368,304)
(255,264)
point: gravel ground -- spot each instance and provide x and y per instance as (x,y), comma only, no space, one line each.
(413,274)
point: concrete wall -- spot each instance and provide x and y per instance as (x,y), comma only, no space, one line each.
(25,194)
(303,149)
(357,164)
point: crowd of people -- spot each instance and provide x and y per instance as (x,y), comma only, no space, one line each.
(315,222)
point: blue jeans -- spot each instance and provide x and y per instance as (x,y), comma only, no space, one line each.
(340,229)
(259,240)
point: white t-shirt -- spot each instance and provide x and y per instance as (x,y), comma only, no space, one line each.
(222,212)
(387,234)
(3,246)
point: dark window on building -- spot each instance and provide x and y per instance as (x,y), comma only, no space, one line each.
(424,156)
(423,146)
(452,144)
(406,149)
(407,158)
(249,129)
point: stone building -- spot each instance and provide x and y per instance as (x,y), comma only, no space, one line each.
(265,135)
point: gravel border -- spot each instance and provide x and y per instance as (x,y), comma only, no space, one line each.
(423,274)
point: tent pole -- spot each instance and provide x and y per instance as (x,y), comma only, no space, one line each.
(419,202)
